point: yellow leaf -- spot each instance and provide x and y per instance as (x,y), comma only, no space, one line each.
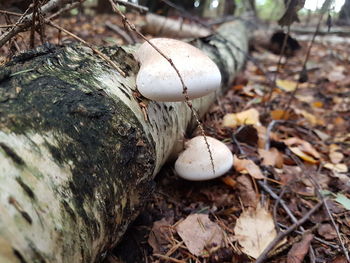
(303,155)
(286,85)
(336,157)
(317,104)
(279,114)
(248,117)
(338,168)
(303,146)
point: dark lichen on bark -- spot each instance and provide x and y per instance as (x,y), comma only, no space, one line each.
(96,134)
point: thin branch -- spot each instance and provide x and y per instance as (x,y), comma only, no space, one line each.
(292,95)
(318,190)
(65,9)
(103,56)
(26,20)
(10,13)
(282,235)
(140,8)
(120,32)
(283,49)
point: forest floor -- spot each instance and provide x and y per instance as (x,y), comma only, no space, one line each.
(296,135)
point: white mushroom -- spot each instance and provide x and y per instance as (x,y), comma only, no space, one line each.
(157,79)
(194,162)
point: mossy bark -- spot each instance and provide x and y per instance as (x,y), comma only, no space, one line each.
(77,156)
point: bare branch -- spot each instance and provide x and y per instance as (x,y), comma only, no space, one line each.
(26,20)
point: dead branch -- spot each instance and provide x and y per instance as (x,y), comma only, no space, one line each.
(140,8)
(120,32)
(25,21)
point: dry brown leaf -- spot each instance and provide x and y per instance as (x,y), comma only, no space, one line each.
(299,250)
(198,233)
(271,157)
(254,230)
(247,192)
(303,146)
(327,231)
(248,117)
(160,235)
(247,166)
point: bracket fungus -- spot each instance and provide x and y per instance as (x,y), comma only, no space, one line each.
(157,79)
(194,162)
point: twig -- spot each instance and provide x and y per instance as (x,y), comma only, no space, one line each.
(120,32)
(10,13)
(169,259)
(279,200)
(282,235)
(25,20)
(292,95)
(283,49)
(318,189)
(316,238)
(103,56)
(65,9)
(184,87)
(140,8)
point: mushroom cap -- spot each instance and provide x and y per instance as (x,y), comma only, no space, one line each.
(194,162)
(157,79)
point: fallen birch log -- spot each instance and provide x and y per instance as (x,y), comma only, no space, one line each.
(77,156)
(170,27)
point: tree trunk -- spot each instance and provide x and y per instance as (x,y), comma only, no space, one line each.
(77,156)
(344,14)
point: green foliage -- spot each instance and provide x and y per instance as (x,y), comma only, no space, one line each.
(270,9)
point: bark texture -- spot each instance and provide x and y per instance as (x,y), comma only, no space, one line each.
(77,157)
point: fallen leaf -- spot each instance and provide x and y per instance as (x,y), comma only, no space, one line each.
(312,119)
(340,259)
(279,114)
(299,250)
(336,157)
(343,200)
(228,180)
(255,230)
(247,192)
(199,233)
(303,146)
(159,237)
(271,157)
(247,166)
(317,104)
(248,117)
(337,168)
(327,231)
(286,85)
(303,155)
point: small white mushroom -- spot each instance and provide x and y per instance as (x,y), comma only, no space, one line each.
(157,80)
(194,162)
